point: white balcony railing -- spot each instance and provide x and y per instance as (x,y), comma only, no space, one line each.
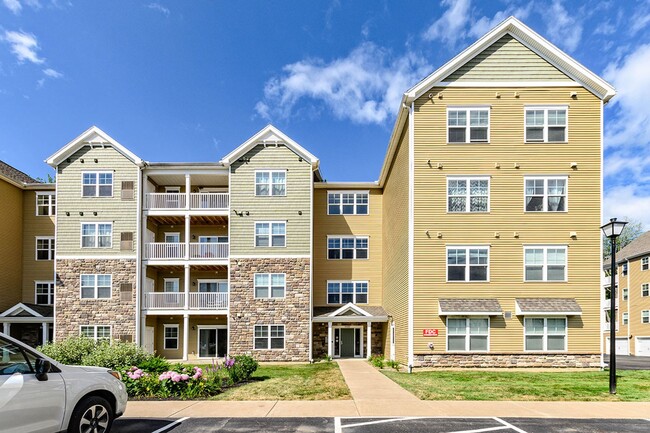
(208,301)
(176,301)
(164,250)
(210,200)
(205,201)
(156,200)
(203,250)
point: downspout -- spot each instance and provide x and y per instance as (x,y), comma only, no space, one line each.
(138,256)
(411,231)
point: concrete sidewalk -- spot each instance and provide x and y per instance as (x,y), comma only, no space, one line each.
(374,395)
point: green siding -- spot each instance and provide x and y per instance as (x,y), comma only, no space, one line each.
(297,199)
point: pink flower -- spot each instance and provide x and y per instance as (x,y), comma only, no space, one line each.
(185,377)
(176,377)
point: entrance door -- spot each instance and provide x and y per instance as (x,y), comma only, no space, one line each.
(213,341)
(392,341)
(148,339)
(347,342)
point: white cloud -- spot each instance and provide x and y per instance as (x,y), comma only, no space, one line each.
(23,45)
(52,73)
(563,29)
(13,5)
(639,21)
(484,24)
(631,201)
(158,7)
(450,27)
(364,87)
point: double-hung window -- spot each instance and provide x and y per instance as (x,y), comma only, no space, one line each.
(97,184)
(468,194)
(96,235)
(270,182)
(645,316)
(45,203)
(467,263)
(546,194)
(545,334)
(545,263)
(98,333)
(269,337)
(626,318)
(546,124)
(96,286)
(171,337)
(270,234)
(347,247)
(467,334)
(45,248)
(347,203)
(625,294)
(270,285)
(44,292)
(342,292)
(645,290)
(468,125)
(645,263)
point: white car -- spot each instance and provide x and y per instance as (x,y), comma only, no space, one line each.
(38,394)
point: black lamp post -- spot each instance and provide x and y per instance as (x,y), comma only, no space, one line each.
(612,230)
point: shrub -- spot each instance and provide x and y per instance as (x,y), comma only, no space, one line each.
(377,361)
(241,367)
(70,351)
(393,364)
(116,355)
(155,364)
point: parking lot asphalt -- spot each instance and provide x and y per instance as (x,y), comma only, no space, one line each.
(624,362)
(381,425)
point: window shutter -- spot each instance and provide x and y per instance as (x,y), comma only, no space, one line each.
(126,241)
(126,338)
(126,292)
(127,190)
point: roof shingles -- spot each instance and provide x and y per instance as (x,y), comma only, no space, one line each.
(15,174)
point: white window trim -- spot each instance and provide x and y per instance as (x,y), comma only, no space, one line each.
(51,251)
(178,336)
(467,109)
(268,339)
(545,200)
(210,280)
(645,311)
(468,195)
(625,294)
(270,223)
(203,238)
(51,287)
(173,190)
(340,193)
(626,318)
(97,184)
(270,184)
(175,280)
(198,340)
(467,265)
(96,224)
(341,237)
(545,264)
(354,293)
(545,335)
(50,206)
(467,335)
(95,287)
(110,331)
(545,127)
(270,274)
(178,234)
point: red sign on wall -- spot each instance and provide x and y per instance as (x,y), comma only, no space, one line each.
(429,332)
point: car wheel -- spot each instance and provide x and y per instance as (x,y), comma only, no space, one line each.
(92,415)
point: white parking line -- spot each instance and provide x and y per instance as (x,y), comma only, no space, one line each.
(170,425)
(507,424)
(381,421)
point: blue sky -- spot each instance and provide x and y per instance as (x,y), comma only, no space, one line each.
(189,81)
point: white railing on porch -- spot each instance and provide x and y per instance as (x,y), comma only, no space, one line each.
(164,250)
(210,200)
(165,200)
(164,300)
(204,250)
(208,301)
(176,301)
(206,201)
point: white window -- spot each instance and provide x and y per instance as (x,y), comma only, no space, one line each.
(349,247)
(45,248)
(624,270)
(270,182)
(97,184)
(96,286)
(470,194)
(625,294)
(269,285)
(545,334)
(269,337)
(342,292)
(171,285)
(96,235)
(468,125)
(96,332)
(468,334)
(645,289)
(645,262)
(270,234)
(546,194)
(545,263)
(347,203)
(44,292)
(626,318)
(467,263)
(171,337)
(546,124)
(45,203)
(645,316)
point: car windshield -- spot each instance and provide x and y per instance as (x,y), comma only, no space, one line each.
(14,359)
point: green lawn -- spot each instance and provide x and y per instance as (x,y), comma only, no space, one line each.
(320,381)
(523,385)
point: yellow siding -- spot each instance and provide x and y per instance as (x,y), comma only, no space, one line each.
(11,232)
(34,226)
(634,305)
(158,323)
(507,60)
(395,247)
(358,225)
(507,215)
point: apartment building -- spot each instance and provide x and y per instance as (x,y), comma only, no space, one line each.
(479,245)
(632,292)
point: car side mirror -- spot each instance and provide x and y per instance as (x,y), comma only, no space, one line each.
(43,366)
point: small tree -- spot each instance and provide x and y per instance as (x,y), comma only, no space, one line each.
(632,230)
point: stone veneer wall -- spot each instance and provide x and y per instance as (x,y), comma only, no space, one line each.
(475,360)
(293,311)
(71,311)
(319,346)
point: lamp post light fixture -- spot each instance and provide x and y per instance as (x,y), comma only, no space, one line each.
(612,230)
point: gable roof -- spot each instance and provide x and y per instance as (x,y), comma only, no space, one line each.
(638,247)
(15,175)
(529,39)
(272,135)
(93,136)
(20,308)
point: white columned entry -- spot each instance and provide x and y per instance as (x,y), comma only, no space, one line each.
(6,328)
(186,334)
(45,328)
(186,286)
(188,190)
(369,340)
(329,339)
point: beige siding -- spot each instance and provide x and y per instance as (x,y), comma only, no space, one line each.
(122,213)
(507,216)
(507,60)
(11,232)
(34,226)
(358,225)
(294,208)
(159,323)
(395,219)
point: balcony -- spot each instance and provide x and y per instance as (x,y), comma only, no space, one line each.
(176,251)
(176,301)
(178,201)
